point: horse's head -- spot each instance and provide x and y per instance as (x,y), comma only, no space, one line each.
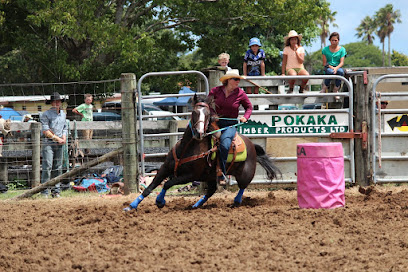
(200,117)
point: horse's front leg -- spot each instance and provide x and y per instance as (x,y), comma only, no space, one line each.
(160,176)
(160,201)
(211,189)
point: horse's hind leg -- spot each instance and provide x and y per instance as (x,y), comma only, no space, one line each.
(238,198)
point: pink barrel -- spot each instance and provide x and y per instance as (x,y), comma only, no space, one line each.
(320,175)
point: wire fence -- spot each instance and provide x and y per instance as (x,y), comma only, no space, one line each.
(22,105)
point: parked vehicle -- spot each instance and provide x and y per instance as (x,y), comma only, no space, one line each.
(116,106)
(113,116)
(312,106)
(106,116)
(158,115)
(287,107)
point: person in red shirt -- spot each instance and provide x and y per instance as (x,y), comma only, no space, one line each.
(228,98)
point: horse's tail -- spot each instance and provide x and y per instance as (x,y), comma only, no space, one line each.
(271,170)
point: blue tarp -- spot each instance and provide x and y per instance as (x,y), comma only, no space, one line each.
(168,101)
(173,101)
(9,113)
(183,100)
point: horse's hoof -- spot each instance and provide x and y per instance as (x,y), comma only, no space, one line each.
(236,204)
(160,204)
(128,209)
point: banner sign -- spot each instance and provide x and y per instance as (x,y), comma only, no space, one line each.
(397,123)
(287,123)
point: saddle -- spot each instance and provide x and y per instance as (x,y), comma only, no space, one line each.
(237,151)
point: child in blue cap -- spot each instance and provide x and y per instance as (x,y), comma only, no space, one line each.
(254,62)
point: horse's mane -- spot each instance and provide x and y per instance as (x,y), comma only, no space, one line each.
(203,98)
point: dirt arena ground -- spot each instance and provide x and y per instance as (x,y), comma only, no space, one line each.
(267,233)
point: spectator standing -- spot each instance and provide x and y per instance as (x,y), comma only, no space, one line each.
(293,58)
(223,60)
(254,62)
(86,111)
(55,130)
(333,61)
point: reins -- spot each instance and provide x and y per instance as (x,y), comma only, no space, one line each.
(224,128)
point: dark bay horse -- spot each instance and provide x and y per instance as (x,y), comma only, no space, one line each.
(189,160)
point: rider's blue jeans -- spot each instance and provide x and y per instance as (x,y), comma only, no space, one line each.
(329,71)
(226,138)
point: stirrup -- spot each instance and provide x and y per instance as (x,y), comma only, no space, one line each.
(223,179)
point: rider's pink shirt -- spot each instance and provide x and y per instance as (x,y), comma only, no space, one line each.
(228,107)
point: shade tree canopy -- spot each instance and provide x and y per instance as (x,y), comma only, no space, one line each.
(76,40)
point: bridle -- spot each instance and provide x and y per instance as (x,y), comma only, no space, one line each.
(205,121)
(182,160)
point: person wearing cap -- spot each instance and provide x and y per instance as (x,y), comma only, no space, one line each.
(333,61)
(55,131)
(86,111)
(254,62)
(293,58)
(227,99)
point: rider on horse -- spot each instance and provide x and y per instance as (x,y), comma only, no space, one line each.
(228,98)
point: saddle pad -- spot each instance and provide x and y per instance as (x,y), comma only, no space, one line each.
(240,147)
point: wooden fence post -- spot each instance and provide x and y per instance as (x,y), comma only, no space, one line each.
(173,128)
(214,78)
(4,170)
(129,142)
(362,117)
(36,153)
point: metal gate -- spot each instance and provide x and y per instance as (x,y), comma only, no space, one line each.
(280,126)
(332,121)
(142,117)
(390,134)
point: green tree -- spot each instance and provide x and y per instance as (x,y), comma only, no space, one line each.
(366,29)
(76,40)
(314,62)
(361,54)
(399,59)
(386,17)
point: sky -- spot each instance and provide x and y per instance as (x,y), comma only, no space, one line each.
(349,15)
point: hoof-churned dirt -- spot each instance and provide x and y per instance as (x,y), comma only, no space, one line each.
(267,233)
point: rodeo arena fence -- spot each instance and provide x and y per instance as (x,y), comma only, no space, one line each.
(374,140)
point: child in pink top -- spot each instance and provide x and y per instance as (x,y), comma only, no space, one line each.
(293,58)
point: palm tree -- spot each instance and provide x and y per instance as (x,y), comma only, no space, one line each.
(366,29)
(386,17)
(381,34)
(324,22)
